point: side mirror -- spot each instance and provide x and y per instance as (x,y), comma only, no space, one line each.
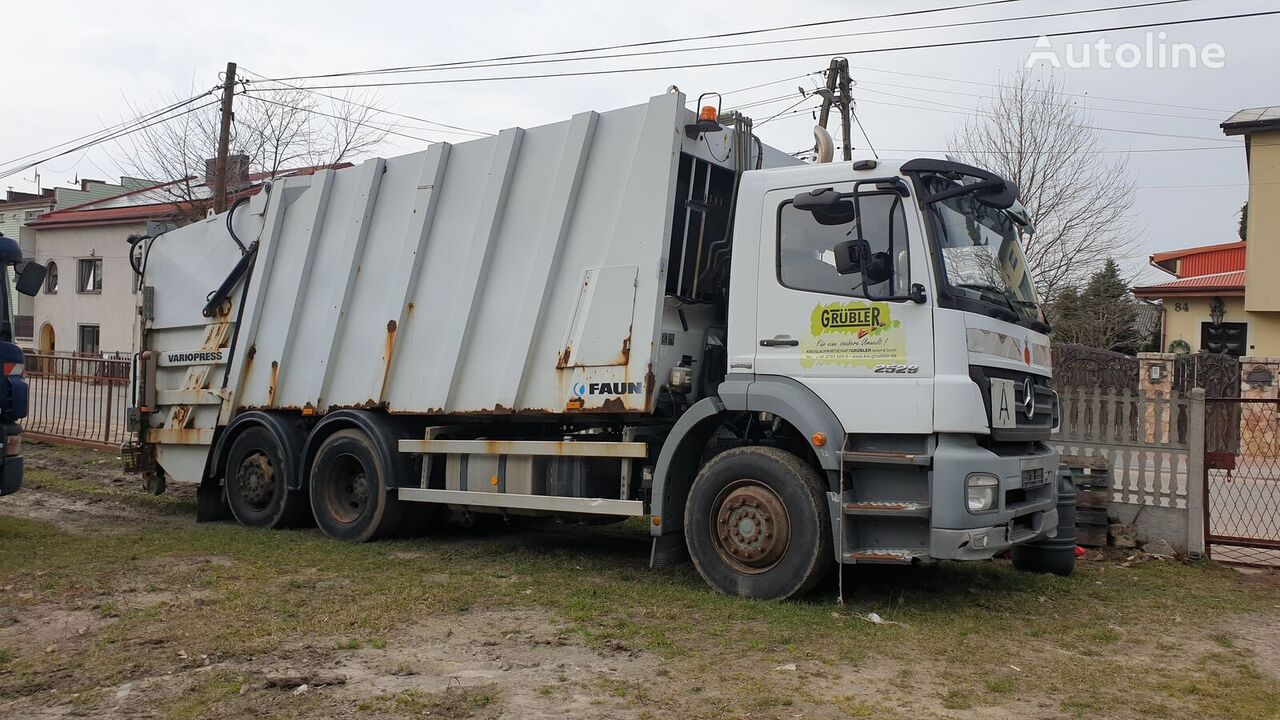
(826,206)
(30,278)
(851,256)
(1001,197)
(879,267)
(816,199)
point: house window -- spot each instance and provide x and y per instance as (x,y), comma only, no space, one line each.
(51,278)
(88,342)
(89,278)
(33,214)
(1228,338)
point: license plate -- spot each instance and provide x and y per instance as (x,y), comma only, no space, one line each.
(1034,478)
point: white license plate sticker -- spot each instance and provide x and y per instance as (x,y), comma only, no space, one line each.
(1004,403)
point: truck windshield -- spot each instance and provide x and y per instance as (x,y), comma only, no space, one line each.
(980,252)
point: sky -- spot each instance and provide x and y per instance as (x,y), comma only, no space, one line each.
(75,68)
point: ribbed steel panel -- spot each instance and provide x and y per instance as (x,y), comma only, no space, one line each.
(496,276)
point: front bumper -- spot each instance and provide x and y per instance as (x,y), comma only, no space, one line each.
(1022,514)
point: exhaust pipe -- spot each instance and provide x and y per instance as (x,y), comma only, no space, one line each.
(825,146)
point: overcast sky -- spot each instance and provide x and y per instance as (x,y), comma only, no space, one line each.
(76,68)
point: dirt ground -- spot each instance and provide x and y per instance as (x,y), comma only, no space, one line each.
(116,604)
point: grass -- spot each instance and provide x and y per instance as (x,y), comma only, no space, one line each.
(971,636)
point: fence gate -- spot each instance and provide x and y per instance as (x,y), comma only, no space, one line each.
(1242,480)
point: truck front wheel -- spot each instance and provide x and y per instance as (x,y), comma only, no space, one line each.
(349,493)
(757,524)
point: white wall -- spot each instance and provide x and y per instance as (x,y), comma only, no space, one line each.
(112,309)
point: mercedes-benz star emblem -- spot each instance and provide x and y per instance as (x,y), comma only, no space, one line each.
(1028,398)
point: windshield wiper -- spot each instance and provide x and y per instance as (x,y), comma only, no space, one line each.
(1004,295)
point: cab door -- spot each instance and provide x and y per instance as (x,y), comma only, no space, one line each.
(866,350)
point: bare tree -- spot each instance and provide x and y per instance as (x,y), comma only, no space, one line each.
(1079,199)
(278,129)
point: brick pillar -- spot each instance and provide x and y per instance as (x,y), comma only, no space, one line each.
(1258,380)
(1155,382)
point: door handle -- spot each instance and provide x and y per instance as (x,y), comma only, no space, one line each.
(781,340)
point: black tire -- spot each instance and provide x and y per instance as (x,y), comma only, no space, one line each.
(257,487)
(349,493)
(757,524)
(1038,558)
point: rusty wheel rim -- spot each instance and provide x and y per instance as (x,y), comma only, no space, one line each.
(347,490)
(750,526)
(256,479)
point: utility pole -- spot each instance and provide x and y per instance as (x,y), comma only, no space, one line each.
(829,95)
(838,93)
(845,102)
(224,140)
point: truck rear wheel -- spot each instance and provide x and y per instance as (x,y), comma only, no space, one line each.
(349,493)
(757,524)
(257,489)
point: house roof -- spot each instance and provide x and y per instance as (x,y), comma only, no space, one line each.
(108,216)
(1225,283)
(1202,260)
(94,212)
(1251,120)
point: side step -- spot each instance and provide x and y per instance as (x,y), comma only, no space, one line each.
(876,457)
(517,501)
(887,508)
(886,556)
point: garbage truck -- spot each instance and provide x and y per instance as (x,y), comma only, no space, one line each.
(775,365)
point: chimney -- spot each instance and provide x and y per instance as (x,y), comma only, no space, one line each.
(237,172)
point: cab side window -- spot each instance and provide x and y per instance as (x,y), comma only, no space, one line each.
(806,247)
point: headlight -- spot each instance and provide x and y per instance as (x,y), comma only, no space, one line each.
(980,492)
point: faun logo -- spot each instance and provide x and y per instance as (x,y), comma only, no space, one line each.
(855,318)
(608,388)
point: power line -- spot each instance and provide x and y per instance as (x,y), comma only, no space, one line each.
(775,116)
(764,84)
(865,136)
(1008,87)
(387,130)
(113,136)
(1041,152)
(457,129)
(807,56)
(862,83)
(460,64)
(966,111)
(140,118)
(937,26)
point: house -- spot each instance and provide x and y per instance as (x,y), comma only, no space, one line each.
(1224,298)
(18,208)
(89,298)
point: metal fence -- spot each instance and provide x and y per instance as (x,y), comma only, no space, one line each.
(78,399)
(1242,481)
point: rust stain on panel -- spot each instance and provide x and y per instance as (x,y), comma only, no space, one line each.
(388,350)
(275,381)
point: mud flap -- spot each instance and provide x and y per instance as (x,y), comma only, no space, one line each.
(668,551)
(211,502)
